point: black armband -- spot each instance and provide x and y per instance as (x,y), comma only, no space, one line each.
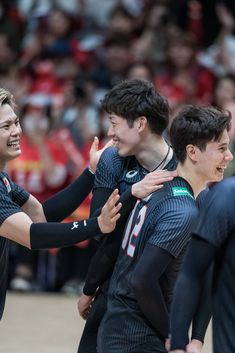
(65,202)
(58,235)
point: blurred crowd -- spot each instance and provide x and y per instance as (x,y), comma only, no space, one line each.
(60,57)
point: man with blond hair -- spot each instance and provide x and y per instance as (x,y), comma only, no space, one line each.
(19,209)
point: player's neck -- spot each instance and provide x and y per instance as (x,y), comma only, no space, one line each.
(2,165)
(154,154)
(196,182)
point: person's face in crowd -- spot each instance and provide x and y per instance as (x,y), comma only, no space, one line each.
(10,131)
(224,92)
(212,161)
(58,23)
(120,24)
(126,138)
(140,72)
(117,58)
(181,56)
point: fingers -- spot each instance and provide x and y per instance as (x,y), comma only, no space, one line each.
(113,198)
(163,172)
(116,217)
(84,306)
(114,211)
(113,207)
(159,177)
(159,180)
(94,145)
(109,214)
(85,314)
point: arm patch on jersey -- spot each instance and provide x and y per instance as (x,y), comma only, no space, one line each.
(181,191)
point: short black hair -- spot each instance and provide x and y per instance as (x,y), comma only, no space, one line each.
(197,126)
(133,98)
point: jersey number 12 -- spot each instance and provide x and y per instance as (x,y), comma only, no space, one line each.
(133,229)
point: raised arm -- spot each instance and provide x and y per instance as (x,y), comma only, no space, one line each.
(65,202)
(19,228)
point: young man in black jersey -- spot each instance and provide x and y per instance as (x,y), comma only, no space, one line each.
(213,240)
(138,116)
(19,209)
(156,235)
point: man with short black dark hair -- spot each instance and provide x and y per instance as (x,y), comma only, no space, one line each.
(157,233)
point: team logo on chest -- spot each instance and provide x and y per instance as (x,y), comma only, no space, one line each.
(7,184)
(131,174)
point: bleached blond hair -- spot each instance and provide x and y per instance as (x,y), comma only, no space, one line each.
(6,97)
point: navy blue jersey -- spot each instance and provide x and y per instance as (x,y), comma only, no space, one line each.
(12,197)
(217,226)
(114,171)
(164,219)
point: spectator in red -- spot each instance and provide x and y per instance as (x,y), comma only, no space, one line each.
(184,79)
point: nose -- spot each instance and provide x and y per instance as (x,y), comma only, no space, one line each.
(229,156)
(110,132)
(16,130)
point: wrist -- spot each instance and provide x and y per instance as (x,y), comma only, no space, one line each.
(89,292)
(197,343)
(91,170)
(134,191)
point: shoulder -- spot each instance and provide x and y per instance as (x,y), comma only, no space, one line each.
(221,195)
(179,190)
(5,182)
(174,202)
(227,185)
(110,161)
(110,154)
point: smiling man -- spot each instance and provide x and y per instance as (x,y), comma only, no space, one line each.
(19,209)
(157,233)
(138,117)
(214,240)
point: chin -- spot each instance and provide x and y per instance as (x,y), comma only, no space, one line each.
(14,155)
(218,178)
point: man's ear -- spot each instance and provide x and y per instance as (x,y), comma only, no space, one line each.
(141,123)
(192,152)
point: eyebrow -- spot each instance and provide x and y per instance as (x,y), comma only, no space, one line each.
(8,121)
(223,144)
